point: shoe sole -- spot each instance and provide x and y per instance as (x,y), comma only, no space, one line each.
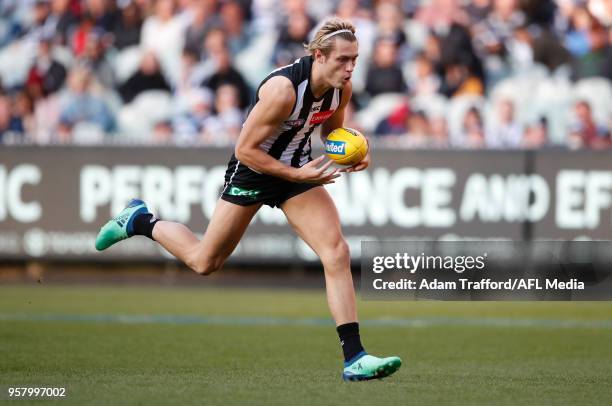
(382,372)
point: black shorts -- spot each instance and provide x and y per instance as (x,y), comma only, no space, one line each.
(245,187)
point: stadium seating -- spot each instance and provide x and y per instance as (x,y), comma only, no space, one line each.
(137,119)
(126,63)
(378,108)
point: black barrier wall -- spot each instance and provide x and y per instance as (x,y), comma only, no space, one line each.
(53,200)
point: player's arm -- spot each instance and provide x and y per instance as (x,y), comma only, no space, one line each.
(336,121)
(276,100)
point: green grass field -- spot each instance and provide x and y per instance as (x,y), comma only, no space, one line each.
(125,345)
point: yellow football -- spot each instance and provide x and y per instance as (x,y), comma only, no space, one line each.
(346,146)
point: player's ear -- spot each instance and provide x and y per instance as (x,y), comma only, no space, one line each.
(319,56)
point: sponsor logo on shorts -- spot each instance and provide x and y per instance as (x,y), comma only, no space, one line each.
(321,116)
(335,147)
(236,191)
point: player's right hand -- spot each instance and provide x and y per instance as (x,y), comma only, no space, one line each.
(313,173)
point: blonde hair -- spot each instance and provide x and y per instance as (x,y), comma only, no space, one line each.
(324,38)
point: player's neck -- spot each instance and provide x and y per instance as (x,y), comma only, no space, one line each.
(318,84)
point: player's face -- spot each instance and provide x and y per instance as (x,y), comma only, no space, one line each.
(340,63)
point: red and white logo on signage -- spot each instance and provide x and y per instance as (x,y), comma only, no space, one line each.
(321,116)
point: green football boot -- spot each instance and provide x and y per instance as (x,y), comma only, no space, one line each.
(120,227)
(364,367)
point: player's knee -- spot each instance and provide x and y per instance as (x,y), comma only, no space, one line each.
(206,266)
(337,253)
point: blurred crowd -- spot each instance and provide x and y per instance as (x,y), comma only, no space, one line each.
(497,74)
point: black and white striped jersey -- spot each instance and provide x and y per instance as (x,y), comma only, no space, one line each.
(290,143)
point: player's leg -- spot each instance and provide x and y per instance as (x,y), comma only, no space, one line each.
(226,227)
(314,217)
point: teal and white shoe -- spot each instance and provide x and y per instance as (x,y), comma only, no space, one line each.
(364,367)
(120,227)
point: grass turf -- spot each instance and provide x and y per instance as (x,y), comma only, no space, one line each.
(108,362)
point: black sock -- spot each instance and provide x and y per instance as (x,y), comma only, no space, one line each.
(143,225)
(349,338)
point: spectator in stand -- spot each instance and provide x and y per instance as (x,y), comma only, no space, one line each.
(469,46)
(225,73)
(46,75)
(148,77)
(385,73)
(61,20)
(520,50)
(433,52)
(46,118)
(291,39)
(505,132)
(418,131)
(499,25)
(491,37)
(101,14)
(11,127)
(458,80)
(439,15)
(577,37)
(585,133)
(163,134)
(164,34)
(224,127)
(456,49)
(547,48)
(602,10)
(193,72)
(215,40)
(438,127)
(390,23)
(233,19)
(536,135)
(562,19)
(477,10)
(78,36)
(593,61)
(23,110)
(290,7)
(95,56)
(97,15)
(38,27)
(82,105)
(425,81)
(189,125)
(10,27)
(450,40)
(396,123)
(201,19)
(421,131)
(127,28)
(472,133)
